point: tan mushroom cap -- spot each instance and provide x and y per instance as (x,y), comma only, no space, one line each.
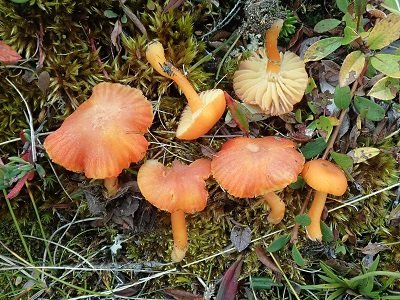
(103,135)
(324,176)
(274,93)
(179,187)
(193,125)
(250,167)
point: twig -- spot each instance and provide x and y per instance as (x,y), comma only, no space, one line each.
(93,46)
(41,37)
(134,19)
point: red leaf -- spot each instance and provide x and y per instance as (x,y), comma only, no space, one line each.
(229,285)
(238,113)
(7,54)
(17,188)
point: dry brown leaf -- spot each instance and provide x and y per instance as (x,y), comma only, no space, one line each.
(181,294)
(7,54)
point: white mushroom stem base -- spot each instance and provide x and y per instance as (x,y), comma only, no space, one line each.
(277,207)
(112,185)
(179,234)
(315,212)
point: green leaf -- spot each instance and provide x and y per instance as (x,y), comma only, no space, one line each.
(336,294)
(313,148)
(40,170)
(18,160)
(388,64)
(124,19)
(360,7)
(238,112)
(298,184)
(326,25)
(342,97)
(263,283)
(20,1)
(310,85)
(351,68)
(108,13)
(342,5)
(329,272)
(349,35)
(392,5)
(303,219)
(322,48)
(327,235)
(324,124)
(385,88)
(342,160)
(384,32)
(371,110)
(279,243)
(298,259)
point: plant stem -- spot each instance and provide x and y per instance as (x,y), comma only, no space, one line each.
(39,221)
(18,228)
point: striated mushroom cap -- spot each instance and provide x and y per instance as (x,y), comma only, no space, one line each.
(193,125)
(274,92)
(103,135)
(179,187)
(250,167)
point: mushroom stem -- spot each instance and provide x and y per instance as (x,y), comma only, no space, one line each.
(315,212)
(277,207)
(112,185)
(156,57)
(179,234)
(271,47)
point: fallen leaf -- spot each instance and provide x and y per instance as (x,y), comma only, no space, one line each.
(115,35)
(172,4)
(7,54)
(363,154)
(384,32)
(351,68)
(44,81)
(181,294)
(240,237)
(229,285)
(374,248)
(266,261)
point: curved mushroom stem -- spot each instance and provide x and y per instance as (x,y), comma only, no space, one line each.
(156,57)
(112,185)
(271,46)
(315,212)
(277,207)
(179,234)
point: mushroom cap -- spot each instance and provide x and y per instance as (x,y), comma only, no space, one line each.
(193,125)
(324,176)
(275,93)
(104,134)
(250,167)
(179,187)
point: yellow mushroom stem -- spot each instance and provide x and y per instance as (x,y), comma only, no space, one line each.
(156,57)
(179,235)
(271,47)
(315,212)
(277,207)
(112,185)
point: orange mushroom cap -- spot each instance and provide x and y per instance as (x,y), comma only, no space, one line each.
(104,134)
(179,187)
(193,125)
(324,176)
(250,167)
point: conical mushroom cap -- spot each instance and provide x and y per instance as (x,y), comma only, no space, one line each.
(250,167)
(275,93)
(193,125)
(104,134)
(179,187)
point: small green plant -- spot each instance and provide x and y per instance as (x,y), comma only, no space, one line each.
(364,284)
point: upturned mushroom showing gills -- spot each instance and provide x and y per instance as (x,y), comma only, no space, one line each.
(179,189)
(203,110)
(270,79)
(325,178)
(104,134)
(251,167)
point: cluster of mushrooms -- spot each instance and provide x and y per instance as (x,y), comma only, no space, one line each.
(105,134)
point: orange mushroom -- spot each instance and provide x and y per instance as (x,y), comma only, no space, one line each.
(178,189)
(203,110)
(270,79)
(104,134)
(251,167)
(325,178)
